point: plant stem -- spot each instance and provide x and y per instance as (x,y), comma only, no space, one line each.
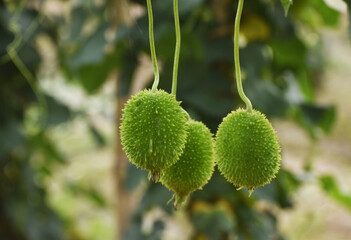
(152,46)
(236,57)
(177,48)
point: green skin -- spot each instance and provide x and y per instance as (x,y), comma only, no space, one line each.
(153,130)
(247,150)
(195,166)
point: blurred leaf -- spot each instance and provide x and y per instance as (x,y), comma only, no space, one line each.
(306,86)
(315,119)
(330,186)
(329,15)
(134,232)
(43,225)
(42,143)
(91,51)
(215,223)
(217,50)
(286,5)
(79,16)
(293,92)
(262,226)
(253,59)
(127,69)
(267,98)
(208,94)
(211,190)
(89,193)
(57,112)
(155,195)
(134,177)
(191,44)
(91,77)
(10,137)
(280,190)
(98,137)
(290,53)
(316,13)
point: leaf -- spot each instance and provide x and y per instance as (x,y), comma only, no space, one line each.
(97,135)
(79,17)
(329,15)
(92,51)
(317,13)
(134,177)
(47,147)
(286,5)
(10,137)
(92,77)
(280,190)
(155,195)
(293,93)
(266,97)
(214,223)
(87,192)
(253,59)
(315,119)
(306,86)
(57,112)
(289,52)
(330,186)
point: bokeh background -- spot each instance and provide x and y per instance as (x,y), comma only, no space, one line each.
(67,68)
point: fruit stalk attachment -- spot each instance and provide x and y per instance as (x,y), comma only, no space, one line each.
(177,48)
(236,57)
(152,45)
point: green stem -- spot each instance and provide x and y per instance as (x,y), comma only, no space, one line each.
(236,57)
(12,55)
(31,81)
(177,48)
(152,45)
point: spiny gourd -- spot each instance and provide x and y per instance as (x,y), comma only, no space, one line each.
(195,166)
(247,150)
(153,130)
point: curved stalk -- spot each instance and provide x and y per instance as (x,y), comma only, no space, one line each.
(236,57)
(152,45)
(177,48)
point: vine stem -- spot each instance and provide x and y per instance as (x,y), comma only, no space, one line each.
(236,57)
(12,55)
(177,48)
(152,46)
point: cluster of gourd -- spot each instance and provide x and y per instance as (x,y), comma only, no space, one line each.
(158,135)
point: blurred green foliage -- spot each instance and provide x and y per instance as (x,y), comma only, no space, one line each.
(282,68)
(329,184)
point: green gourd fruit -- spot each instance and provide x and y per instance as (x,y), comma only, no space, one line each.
(153,130)
(195,166)
(247,150)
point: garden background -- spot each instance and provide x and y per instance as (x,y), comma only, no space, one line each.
(67,68)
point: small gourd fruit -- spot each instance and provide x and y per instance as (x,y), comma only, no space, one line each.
(195,166)
(153,130)
(247,150)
